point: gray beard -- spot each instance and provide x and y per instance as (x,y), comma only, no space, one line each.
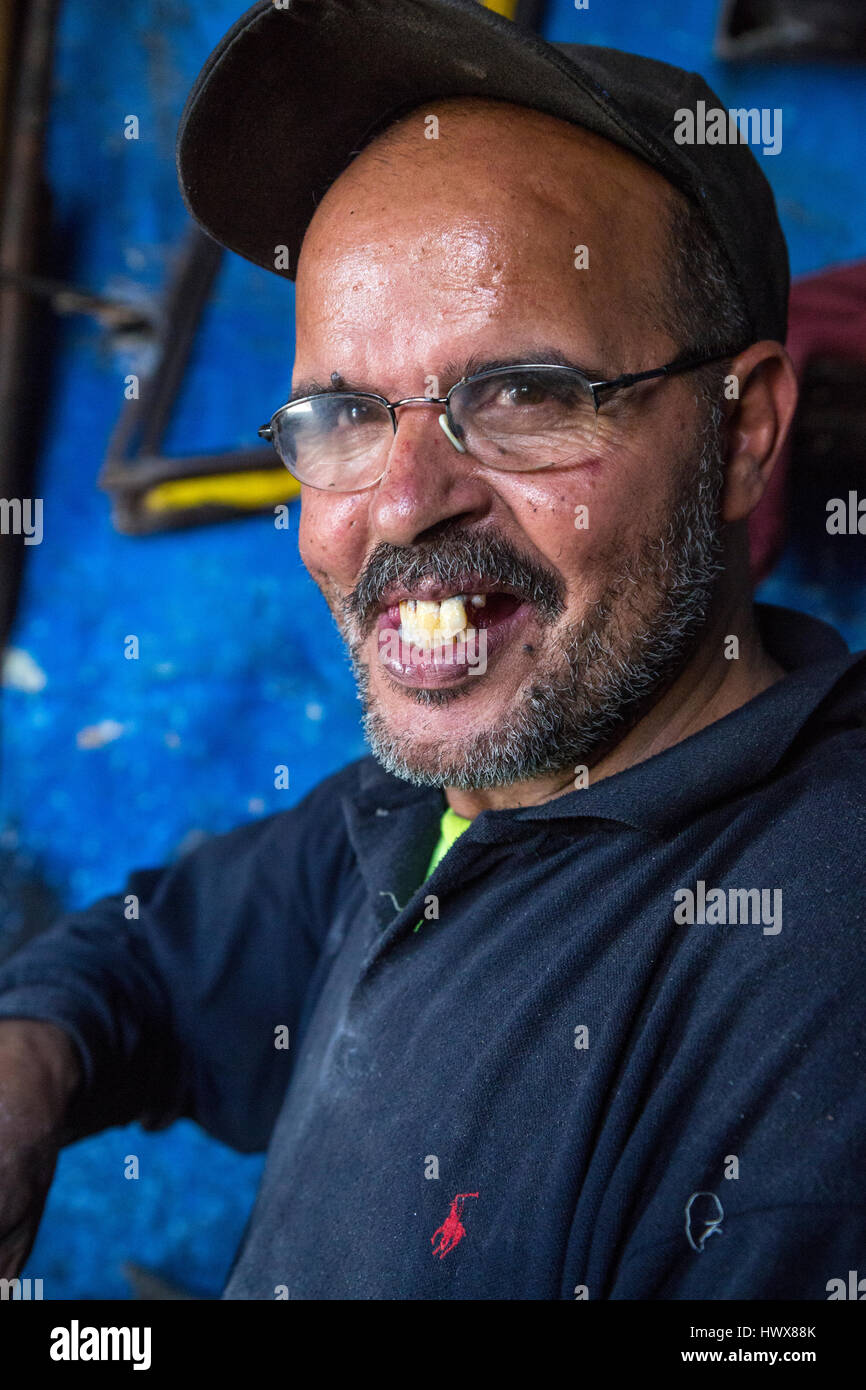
(613,665)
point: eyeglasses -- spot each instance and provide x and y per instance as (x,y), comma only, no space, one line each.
(519,418)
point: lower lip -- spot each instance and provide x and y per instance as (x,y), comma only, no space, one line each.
(423,669)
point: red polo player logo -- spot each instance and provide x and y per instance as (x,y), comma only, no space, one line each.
(452,1230)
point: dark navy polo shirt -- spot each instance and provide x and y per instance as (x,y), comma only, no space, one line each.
(554,1089)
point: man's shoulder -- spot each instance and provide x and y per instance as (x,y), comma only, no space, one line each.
(297,861)
(318,815)
(277,853)
(819,791)
(801,836)
(348,781)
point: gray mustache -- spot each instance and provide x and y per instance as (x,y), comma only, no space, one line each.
(448,560)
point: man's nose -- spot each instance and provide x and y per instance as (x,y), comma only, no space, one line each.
(426,481)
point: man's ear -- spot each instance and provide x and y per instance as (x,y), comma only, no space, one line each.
(757,424)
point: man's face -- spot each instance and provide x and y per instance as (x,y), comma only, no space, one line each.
(429,259)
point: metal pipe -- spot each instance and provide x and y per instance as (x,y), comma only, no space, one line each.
(19,235)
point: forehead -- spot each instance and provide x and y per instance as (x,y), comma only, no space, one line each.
(504,209)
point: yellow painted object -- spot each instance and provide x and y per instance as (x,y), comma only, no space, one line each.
(504,7)
(250,491)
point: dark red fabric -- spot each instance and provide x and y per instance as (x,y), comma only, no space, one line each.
(827,319)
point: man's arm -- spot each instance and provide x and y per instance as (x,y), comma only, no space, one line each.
(167,1000)
(40,1071)
(172,990)
(96,977)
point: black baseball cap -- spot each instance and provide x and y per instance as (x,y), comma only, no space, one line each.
(297,87)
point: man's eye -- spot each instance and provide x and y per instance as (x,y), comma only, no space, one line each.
(525,393)
(535,392)
(350,414)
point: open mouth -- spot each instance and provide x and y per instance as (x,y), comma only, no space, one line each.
(437,636)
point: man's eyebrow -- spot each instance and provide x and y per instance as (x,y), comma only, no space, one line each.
(550,356)
(313,387)
(455,370)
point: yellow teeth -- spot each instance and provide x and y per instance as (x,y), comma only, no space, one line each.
(426,622)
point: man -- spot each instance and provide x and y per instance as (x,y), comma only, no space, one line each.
(569,972)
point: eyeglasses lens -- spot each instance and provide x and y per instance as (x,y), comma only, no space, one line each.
(526,419)
(515,419)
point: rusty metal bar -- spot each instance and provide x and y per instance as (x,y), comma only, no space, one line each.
(23,203)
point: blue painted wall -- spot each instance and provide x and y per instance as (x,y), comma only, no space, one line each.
(240,666)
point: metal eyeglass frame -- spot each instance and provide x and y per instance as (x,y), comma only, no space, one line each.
(449,425)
